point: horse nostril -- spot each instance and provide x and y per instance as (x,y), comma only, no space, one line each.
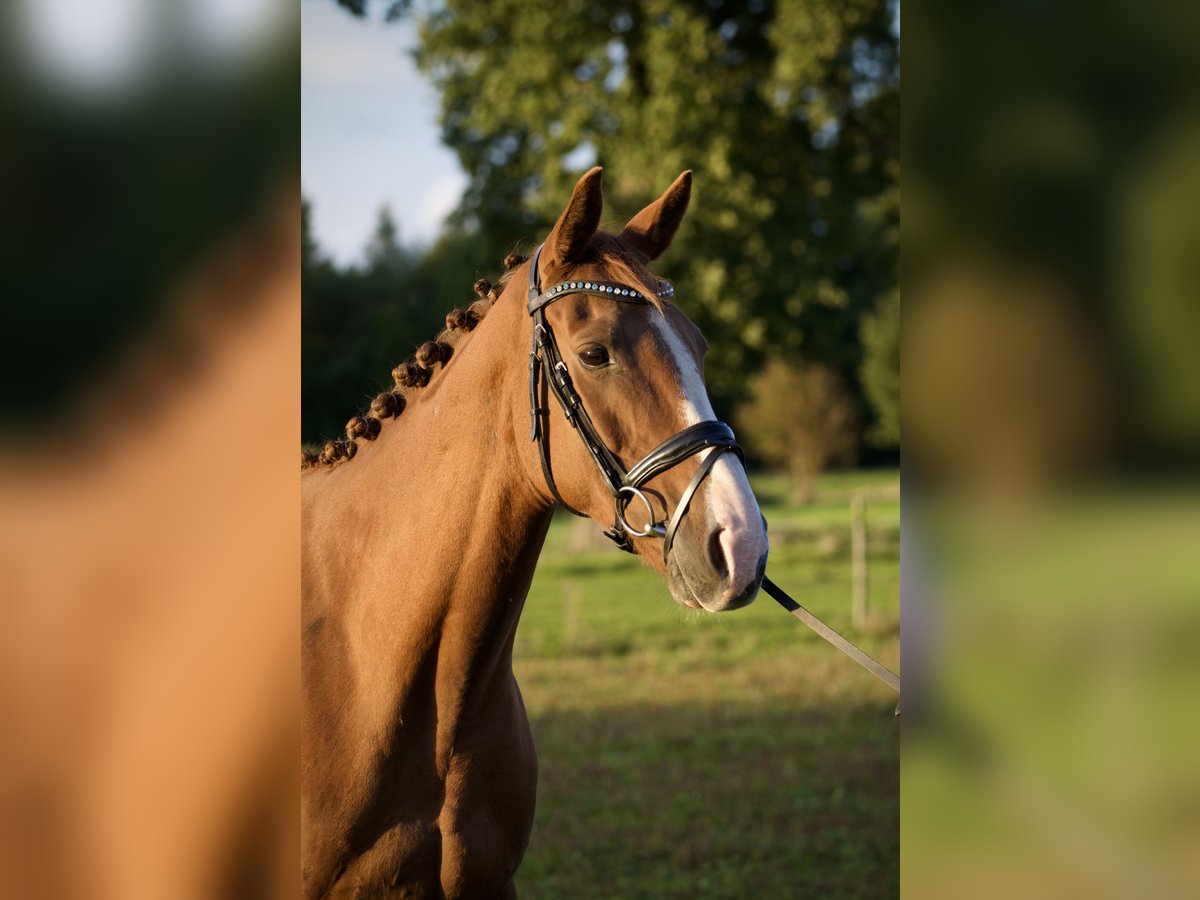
(716,553)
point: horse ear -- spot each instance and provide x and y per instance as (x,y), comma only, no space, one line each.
(579,220)
(651,230)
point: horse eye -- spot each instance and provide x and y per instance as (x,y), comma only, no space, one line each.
(594,356)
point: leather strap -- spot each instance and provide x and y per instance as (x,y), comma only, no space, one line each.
(558,379)
(685,498)
(548,371)
(864,659)
(717,437)
(679,447)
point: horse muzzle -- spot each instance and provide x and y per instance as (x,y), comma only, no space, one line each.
(720,572)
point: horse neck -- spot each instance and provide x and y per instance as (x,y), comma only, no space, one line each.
(439,520)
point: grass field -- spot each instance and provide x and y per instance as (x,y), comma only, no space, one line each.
(691,755)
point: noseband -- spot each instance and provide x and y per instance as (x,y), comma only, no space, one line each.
(545,362)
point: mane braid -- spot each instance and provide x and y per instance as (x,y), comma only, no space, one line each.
(413,373)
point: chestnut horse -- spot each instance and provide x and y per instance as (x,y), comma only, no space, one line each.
(419,773)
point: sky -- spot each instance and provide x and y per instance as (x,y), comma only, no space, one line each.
(369,132)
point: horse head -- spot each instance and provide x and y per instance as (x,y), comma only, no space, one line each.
(637,443)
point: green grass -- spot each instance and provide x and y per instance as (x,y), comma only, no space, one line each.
(684,754)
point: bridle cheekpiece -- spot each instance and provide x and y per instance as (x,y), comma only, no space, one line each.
(547,365)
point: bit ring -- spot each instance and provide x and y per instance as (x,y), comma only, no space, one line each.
(652,528)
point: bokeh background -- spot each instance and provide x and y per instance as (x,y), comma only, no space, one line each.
(1051,413)
(680,755)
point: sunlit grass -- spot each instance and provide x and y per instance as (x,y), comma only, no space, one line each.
(685,754)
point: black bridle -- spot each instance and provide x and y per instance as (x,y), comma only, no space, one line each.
(546,363)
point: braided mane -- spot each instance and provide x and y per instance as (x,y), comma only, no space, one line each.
(413,373)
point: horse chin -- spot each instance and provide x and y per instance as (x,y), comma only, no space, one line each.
(712,595)
(681,589)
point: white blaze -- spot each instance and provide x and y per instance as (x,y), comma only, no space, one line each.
(728,494)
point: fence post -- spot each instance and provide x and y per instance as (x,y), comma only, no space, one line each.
(858,562)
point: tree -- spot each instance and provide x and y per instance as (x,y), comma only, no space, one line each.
(788,112)
(310,253)
(800,418)
(880,372)
(358,322)
(384,253)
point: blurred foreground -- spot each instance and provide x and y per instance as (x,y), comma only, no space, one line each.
(150,662)
(149,560)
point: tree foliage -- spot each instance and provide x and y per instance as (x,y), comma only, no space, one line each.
(358,322)
(800,418)
(384,250)
(881,368)
(787,111)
